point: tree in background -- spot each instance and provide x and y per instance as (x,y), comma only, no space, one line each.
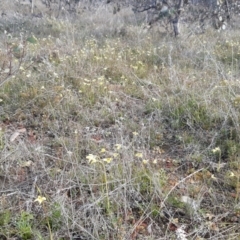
(172,12)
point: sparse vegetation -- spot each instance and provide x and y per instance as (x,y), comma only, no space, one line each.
(111,132)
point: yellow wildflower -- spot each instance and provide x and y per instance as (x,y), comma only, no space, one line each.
(144,161)
(40,199)
(155,161)
(118,146)
(103,150)
(216,150)
(92,158)
(139,155)
(108,160)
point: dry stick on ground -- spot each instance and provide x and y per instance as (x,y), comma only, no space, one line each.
(164,200)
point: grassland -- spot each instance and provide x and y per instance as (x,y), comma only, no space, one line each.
(108,131)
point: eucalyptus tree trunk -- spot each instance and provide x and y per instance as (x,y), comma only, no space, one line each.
(32,6)
(175,21)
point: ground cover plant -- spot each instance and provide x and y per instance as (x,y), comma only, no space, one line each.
(109,131)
